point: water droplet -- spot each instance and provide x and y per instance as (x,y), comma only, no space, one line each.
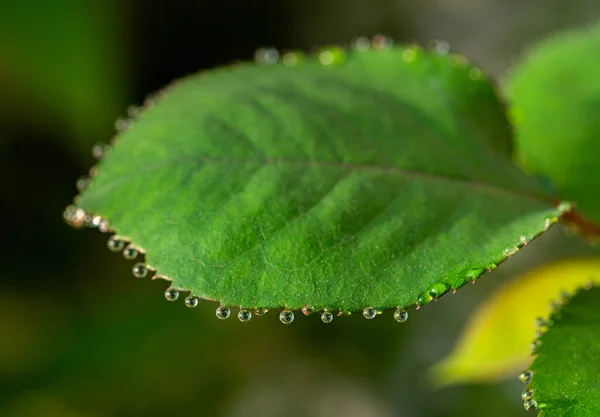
(491,267)
(332,56)
(99,150)
(382,42)
(458,60)
(589,285)
(88,219)
(549,221)
(133,111)
(260,311)
(115,244)
(104,226)
(122,124)
(565,206)
(409,55)
(290,59)
(130,253)
(139,270)
(400,315)
(535,345)
(369,313)
(525,377)
(441,48)
(326,316)
(424,298)
(223,313)
(82,183)
(191,301)
(69,212)
(95,221)
(529,405)
(361,44)
(511,250)
(307,310)
(244,316)
(286,316)
(266,56)
(527,394)
(541,322)
(524,240)
(475,273)
(438,290)
(565,296)
(171,294)
(475,74)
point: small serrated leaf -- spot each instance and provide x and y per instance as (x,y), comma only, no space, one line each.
(566,371)
(354,179)
(496,342)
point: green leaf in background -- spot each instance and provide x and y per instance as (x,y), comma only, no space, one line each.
(379,178)
(496,341)
(555,98)
(566,370)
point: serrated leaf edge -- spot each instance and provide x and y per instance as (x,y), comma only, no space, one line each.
(543,324)
(329,56)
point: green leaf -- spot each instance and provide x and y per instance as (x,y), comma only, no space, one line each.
(496,341)
(379,178)
(566,370)
(555,98)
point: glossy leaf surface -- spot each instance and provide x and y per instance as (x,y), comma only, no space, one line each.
(353,179)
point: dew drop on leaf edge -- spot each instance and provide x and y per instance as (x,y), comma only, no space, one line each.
(369,313)
(260,311)
(286,316)
(130,253)
(527,394)
(400,315)
(171,294)
(525,377)
(529,405)
(327,317)
(223,313)
(191,301)
(307,310)
(115,244)
(244,315)
(139,270)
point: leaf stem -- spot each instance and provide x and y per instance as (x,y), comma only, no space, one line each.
(587,228)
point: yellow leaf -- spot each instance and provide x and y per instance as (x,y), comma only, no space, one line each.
(495,343)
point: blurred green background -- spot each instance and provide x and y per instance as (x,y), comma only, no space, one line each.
(79,336)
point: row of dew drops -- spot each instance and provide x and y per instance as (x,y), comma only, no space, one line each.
(77,217)
(525,377)
(542,325)
(140,270)
(336,54)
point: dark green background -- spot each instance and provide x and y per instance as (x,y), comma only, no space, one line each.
(79,336)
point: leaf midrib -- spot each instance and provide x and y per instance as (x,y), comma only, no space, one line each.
(391,170)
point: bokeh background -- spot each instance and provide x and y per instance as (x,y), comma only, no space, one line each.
(80,337)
